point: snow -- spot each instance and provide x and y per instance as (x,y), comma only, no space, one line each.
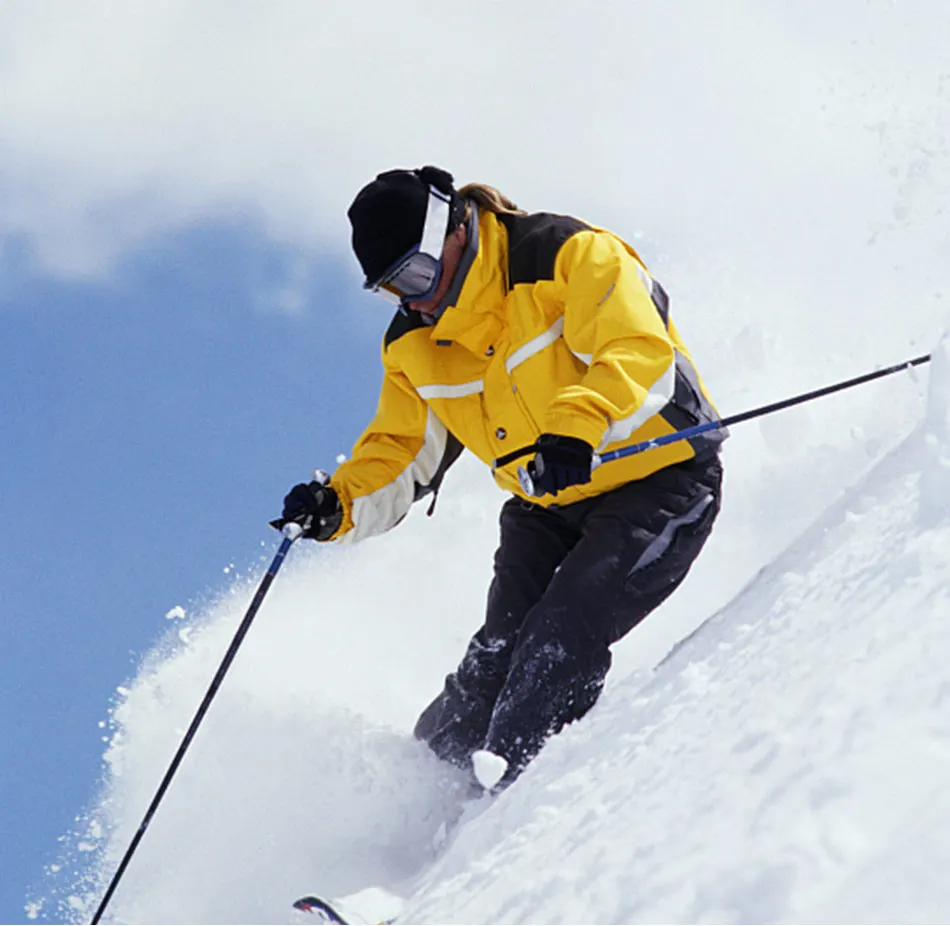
(935,500)
(785,762)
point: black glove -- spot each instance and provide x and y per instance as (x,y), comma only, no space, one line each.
(560,462)
(315,507)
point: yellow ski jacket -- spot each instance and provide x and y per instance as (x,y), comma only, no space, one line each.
(556,327)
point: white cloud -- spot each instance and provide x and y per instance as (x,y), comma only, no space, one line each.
(123,120)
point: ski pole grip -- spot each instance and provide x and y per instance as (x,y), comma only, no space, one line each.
(526,480)
(527,475)
(291,530)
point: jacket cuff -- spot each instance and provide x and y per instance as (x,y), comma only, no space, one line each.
(346,522)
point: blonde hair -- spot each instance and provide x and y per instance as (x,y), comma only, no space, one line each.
(488,198)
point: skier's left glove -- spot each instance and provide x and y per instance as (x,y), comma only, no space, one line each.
(560,462)
(315,507)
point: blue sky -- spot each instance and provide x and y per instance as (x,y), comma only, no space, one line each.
(151,425)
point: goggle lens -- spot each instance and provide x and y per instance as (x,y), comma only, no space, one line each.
(417,277)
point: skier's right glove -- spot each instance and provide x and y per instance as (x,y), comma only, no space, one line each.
(560,462)
(315,507)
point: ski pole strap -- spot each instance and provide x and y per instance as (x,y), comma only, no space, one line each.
(762,410)
(514,455)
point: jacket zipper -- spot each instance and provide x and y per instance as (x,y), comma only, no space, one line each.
(523,405)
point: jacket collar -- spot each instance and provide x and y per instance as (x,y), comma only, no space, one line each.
(475,318)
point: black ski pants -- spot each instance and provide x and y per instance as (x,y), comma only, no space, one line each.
(568,583)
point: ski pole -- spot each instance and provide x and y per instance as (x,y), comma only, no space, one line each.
(291,532)
(526,476)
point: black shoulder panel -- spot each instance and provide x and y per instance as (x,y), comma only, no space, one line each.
(403,323)
(533,243)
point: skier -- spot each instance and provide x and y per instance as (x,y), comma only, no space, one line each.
(519,329)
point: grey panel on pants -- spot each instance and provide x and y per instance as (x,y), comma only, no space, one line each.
(661,543)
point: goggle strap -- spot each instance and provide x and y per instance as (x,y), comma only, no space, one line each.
(436,224)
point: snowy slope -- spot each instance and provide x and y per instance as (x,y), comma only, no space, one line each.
(785,763)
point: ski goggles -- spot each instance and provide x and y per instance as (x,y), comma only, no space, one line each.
(416,274)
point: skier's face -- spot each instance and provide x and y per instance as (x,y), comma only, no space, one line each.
(451,257)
